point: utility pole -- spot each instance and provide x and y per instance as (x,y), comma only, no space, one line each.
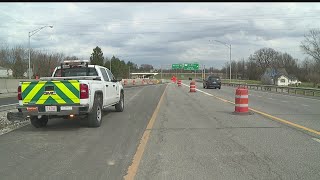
(31,33)
(226,72)
(161,70)
(204,71)
(129,72)
(229,46)
(110,64)
(230,62)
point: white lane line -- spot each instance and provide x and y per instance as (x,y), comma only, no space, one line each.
(8,105)
(136,94)
(205,92)
(270,98)
(304,105)
(209,94)
(316,139)
(259,96)
(284,101)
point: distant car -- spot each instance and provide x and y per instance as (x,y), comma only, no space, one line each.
(212,82)
(190,78)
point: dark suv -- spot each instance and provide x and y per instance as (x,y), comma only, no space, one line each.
(212,82)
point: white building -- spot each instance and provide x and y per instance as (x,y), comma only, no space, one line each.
(5,72)
(294,80)
(279,77)
(282,80)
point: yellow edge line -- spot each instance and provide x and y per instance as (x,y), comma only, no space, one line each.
(133,168)
(286,121)
(268,115)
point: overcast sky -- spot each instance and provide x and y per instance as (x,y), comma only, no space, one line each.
(160,33)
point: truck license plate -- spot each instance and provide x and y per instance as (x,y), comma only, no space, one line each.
(66,108)
(51,108)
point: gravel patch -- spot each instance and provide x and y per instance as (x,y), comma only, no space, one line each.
(8,126)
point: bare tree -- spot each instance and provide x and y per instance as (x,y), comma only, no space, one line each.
(311,44)
(311,47)
(253,70)
(19,64)
(286,61)
(265,57)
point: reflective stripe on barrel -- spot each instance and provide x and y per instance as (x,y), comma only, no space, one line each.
(179,83)
(241,100)
(192,86)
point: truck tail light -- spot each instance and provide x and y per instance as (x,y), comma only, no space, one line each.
(84,91)
(19,93)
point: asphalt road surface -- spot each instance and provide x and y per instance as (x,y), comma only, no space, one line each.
(197,137)
(182,135)
(67,150)
(8,100)
(297,109)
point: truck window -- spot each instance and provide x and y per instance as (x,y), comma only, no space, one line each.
(76,71)
(104,74)
(110,74)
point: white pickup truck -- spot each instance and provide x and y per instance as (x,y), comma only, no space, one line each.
(75,88)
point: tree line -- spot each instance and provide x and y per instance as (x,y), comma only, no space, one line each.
(17,58)
(43,62)
(307,70)
(118,67)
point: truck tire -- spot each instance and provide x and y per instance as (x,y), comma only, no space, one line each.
(120,105)
(95,116)
(38,123)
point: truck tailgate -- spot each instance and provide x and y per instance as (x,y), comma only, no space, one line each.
(62,92)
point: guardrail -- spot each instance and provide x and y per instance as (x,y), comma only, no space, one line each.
(9,85)
(279,89)
(140,82)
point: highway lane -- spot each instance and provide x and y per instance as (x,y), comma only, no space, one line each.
(8,100)
(196,136)
(67,150)
(300,110)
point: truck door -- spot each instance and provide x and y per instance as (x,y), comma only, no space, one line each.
(107,86)
(115,88)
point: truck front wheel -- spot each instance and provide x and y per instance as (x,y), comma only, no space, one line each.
(95,116)
(120,105)
(38,123)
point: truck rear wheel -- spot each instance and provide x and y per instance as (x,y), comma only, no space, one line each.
(120,105)
(38,123)
(95,116)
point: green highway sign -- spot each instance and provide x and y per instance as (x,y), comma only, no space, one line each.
(177,66)
(193,66)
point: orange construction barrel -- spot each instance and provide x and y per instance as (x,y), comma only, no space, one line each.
(192,86)
(241,100)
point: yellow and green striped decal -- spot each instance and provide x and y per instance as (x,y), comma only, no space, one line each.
(51,92)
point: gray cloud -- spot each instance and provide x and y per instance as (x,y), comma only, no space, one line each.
(160,33)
